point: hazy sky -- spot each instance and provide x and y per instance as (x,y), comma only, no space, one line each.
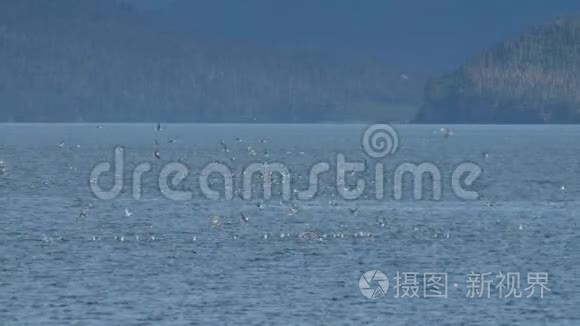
(429,33)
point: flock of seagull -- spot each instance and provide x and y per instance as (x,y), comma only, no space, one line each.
(217,222)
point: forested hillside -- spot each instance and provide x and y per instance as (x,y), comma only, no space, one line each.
(90,60)
(532,79)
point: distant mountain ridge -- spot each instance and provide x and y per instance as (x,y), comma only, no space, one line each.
(70,60)
(533,79)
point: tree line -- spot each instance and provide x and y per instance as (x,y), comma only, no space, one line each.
(532,79)
(70,60)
